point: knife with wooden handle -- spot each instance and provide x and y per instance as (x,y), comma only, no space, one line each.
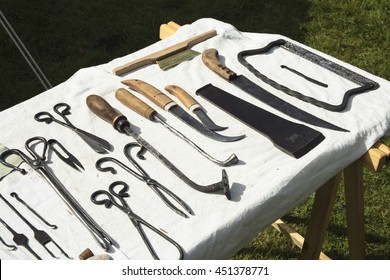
(166,103)
(143,109)
(193,105)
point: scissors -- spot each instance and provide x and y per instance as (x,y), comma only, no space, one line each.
(98,144)
(38,162)
(143,176)
(137,221)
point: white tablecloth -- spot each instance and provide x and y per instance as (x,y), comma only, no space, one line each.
(265,185)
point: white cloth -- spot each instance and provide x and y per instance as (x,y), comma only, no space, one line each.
(265,185)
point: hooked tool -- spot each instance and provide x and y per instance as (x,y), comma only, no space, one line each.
(10,247)
(143,176)
(20,239)
(193,105)
(38,162)
(136,104)
(41,236)
(211,60)
(103,109)
(137,221)
(166,103)
(98,144)
(16,196)
(364,83)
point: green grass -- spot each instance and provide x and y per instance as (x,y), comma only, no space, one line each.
(64,36)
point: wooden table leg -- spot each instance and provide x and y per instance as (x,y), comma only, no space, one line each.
(354,198)
(319,219)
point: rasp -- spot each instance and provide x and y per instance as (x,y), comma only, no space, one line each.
(193,105)
(211,60)
(292,138)
(166,103)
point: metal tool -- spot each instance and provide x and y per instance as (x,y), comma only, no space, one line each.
(364,83)
(159,55)
(98,144)
(136,104)
(16,196)
(71,160)
(166,103)
(38,163)
(211,60)
(143,176)
(41,236)
(20,239)
(193,105)
(10,247)
(104,110)
(136,220)
(292,138)
(314,81)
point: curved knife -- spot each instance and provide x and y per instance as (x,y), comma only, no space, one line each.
(211,60)
(193,105)
(166,103)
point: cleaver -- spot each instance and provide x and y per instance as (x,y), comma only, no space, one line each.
(292,138)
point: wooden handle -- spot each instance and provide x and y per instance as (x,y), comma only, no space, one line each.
(152,58)
(184,97)
(152,93)
(134,103)
(103,109)
(210,58)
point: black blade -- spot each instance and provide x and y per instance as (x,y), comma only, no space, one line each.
(192,122)
(292,138)
(279,104)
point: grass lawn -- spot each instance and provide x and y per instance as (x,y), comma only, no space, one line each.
(64,36)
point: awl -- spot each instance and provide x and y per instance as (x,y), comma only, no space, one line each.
(193,105)
(211,60)
(166,103)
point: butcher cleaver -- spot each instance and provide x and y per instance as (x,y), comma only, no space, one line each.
(292,138)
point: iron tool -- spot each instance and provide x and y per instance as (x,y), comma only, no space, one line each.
(96,143)
(136,104)
(193,105)
(364,83)
(41,236)
(166,103)
(136,220)
(103,109)
(38,162)
(20,239)
(211,60)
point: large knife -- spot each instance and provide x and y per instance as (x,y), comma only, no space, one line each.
(166,103)
(211,60)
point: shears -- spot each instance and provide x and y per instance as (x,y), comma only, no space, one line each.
(98,144)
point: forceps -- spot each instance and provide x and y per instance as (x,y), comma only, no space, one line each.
(143,176)
(137,221)
(38,162)
(98,144)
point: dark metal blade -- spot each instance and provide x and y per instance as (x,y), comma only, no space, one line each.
(205,119)
(192,122)
(279,104)
(293,138)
